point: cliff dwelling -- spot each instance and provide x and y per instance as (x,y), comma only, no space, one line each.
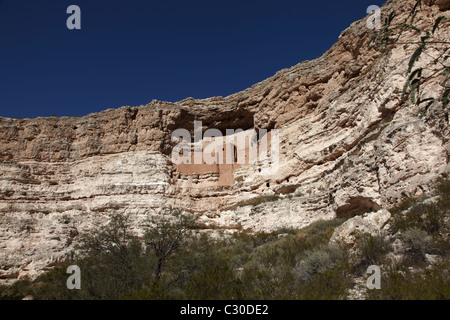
(212,162)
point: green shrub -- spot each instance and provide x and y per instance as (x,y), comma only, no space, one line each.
(318,261)
(332,284)
(417,242)
(372,250)
(215,280)
(402,206)
(258,283)
(430,217)
(317,234)
(402,284)
(442,189)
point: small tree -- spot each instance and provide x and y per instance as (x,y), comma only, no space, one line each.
(112,260)
(165,235)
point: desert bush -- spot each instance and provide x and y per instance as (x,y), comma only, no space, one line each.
(442,189)
(332,284)
(417,242)
(318,261)
(283,253)
(215,280)
(402,284)
(430,217)
(258,283)
(253,240)
(405,204)
(372,249)
(155,291)
(408,218)
(315,235)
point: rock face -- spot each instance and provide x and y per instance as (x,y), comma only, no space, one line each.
(349,144)
(370,223)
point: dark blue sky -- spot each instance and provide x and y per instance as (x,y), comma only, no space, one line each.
(130,52)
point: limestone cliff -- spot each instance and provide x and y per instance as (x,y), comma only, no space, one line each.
(350,143)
